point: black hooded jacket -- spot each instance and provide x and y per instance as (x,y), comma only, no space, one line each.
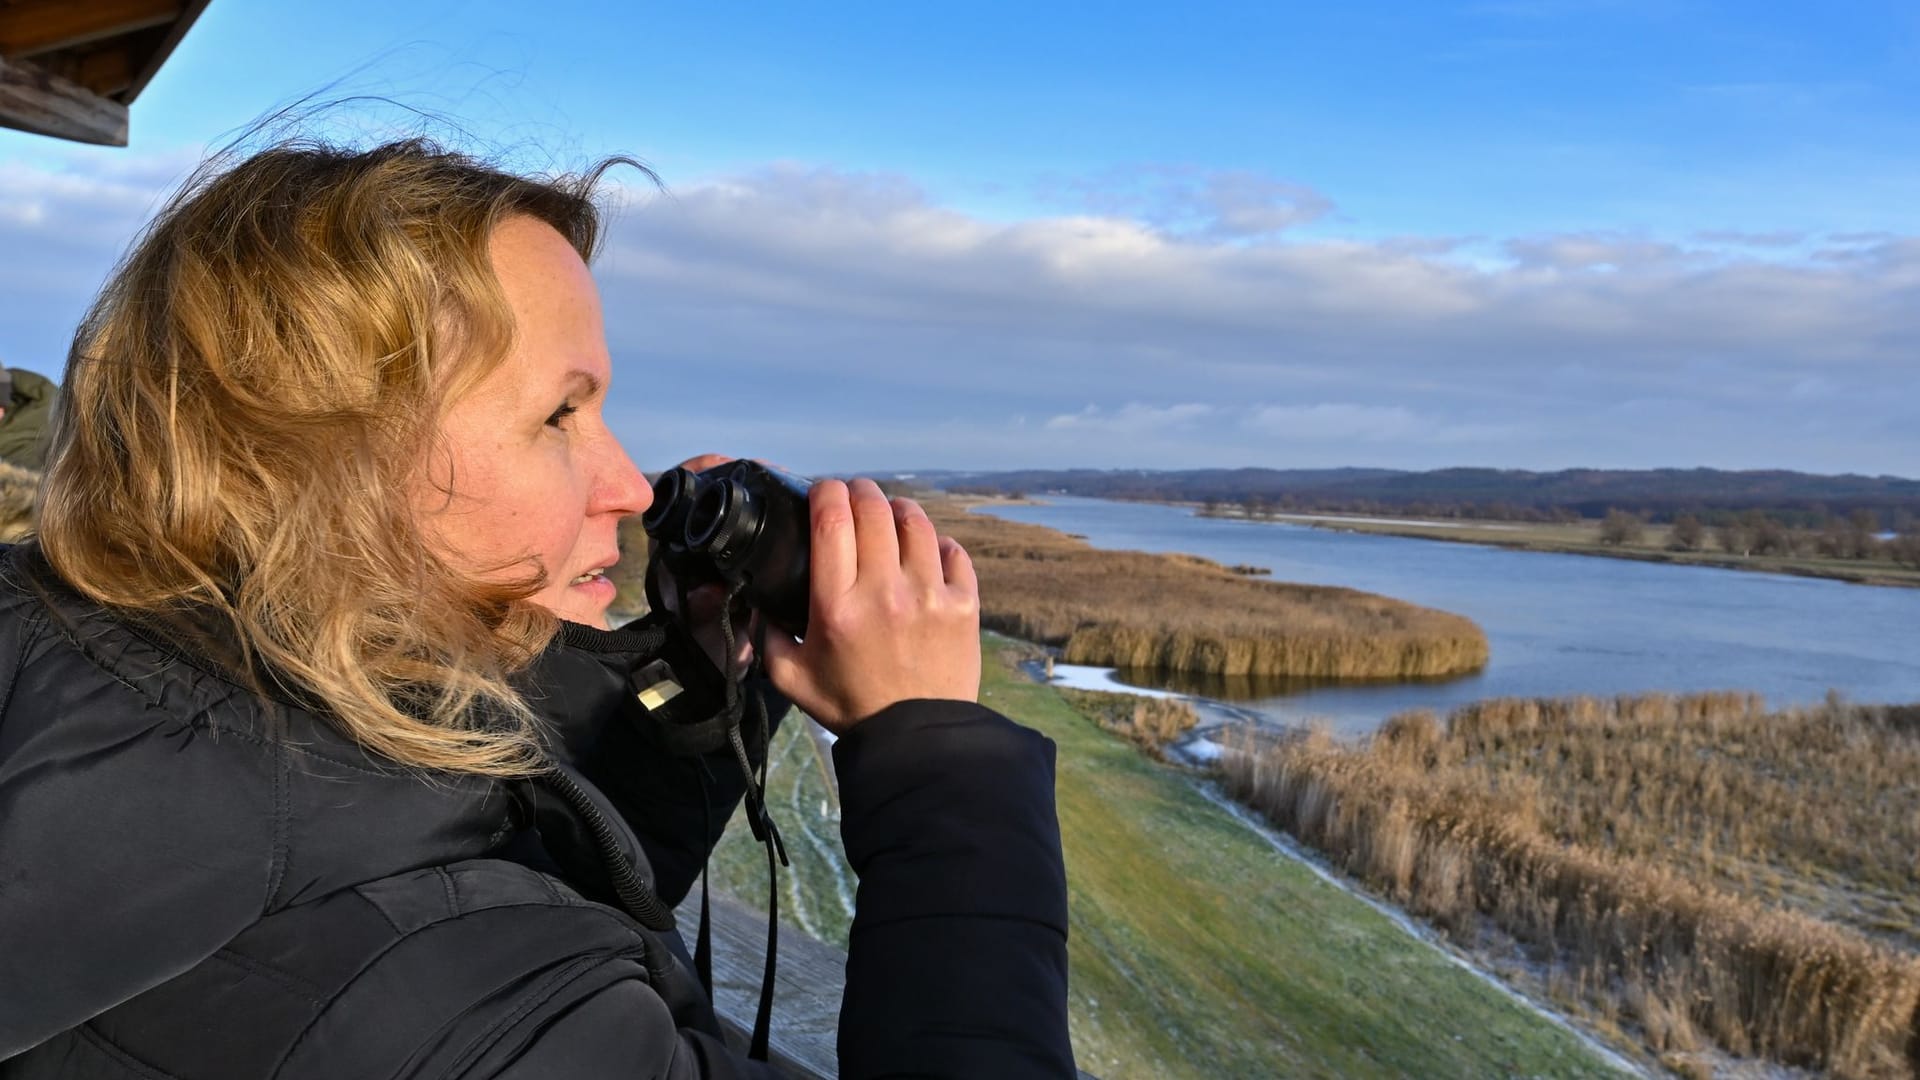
(197,883)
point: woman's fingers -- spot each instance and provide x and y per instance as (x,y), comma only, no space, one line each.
(705,461)
(895,611)
(874,530)
(919,543)
(956,566)
(835,560)
(785,661)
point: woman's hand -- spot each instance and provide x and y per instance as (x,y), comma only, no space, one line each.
(895,611)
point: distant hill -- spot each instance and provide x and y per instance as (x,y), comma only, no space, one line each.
(1793,497)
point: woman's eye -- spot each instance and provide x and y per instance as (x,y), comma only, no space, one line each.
(560,414)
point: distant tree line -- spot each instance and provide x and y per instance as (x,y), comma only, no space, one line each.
(988,490)
(1796,501)
(1308,503)
(1859,535)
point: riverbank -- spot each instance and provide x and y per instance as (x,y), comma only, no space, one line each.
(1197,949)
(1182,613)
(1582,538)
(1555,625)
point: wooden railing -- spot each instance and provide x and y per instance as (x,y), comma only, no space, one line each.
(811,978)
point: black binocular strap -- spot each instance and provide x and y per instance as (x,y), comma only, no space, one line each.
(758,819)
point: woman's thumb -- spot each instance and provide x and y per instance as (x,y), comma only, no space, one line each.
(781,655)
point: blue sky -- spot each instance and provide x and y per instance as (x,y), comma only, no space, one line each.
(1535,234)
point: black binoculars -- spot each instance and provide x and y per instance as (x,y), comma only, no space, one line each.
(741,524)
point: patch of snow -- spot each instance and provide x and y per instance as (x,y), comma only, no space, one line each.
(1082,677)
(1199,751)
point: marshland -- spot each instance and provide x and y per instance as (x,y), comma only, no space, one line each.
(1708,872)
(1703,874)
(1700,877)
(1556,625)
(1183,613)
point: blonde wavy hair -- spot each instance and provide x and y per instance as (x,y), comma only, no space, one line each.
(248,408)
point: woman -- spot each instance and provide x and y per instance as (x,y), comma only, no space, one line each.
(316,758)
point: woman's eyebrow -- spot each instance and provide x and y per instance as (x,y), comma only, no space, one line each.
(587,380)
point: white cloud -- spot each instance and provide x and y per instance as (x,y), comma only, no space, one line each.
(1311,423)
(1187,201)
(1190,325)
(1334,422)
(1132,418)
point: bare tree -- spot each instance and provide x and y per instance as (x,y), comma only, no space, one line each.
(1771,538)
(1620,527)
(1905,548)
(1734,538)
(1688,534)
(1863,540)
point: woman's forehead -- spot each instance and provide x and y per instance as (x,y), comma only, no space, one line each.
(555,304)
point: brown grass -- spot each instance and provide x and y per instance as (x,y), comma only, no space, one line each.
(17,488)
(1639,846)
(1136,610)
(1147,722)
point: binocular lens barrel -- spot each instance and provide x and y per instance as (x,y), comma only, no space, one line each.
(739,523)
(673,495)
(715,519)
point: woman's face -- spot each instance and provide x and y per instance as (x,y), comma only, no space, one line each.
(526,474)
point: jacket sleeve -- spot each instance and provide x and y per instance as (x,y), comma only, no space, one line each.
(957,960)
(189,869)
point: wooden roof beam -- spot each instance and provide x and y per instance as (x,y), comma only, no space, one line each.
(35,100)
(31,27)
(107,70)
(189,12)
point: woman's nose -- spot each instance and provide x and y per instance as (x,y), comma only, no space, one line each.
(624,487)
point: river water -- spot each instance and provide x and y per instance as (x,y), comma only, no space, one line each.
(1556,624)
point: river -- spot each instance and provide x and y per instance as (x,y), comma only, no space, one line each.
(1556,624)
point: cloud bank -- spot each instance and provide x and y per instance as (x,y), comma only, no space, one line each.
(833,320)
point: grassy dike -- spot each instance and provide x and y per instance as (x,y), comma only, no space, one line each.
(1197,950)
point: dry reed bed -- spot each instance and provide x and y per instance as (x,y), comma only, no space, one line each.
(1147,722)
(1816,808)
(1184,613)
(1584,828)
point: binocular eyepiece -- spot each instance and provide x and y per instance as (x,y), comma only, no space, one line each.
(738,523)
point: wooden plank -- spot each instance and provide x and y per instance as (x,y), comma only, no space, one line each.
(178,30)
(45,104)
(807,988)
(31,27)
(106,71)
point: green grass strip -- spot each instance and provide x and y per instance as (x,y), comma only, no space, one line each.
(1196,949)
